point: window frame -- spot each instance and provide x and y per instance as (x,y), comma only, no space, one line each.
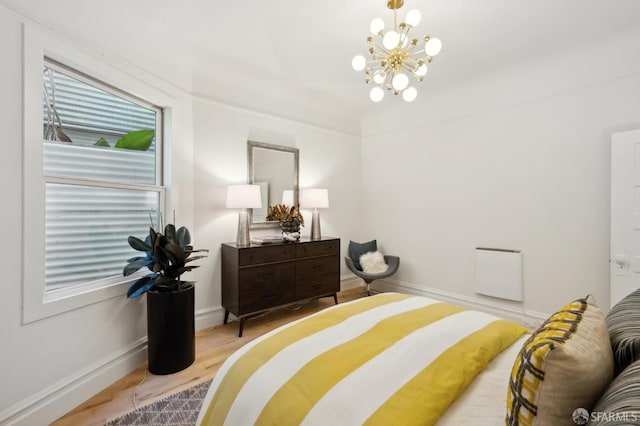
(38,45)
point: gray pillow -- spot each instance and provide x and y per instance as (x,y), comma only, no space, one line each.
(358,249)
(623,321)
(620,404)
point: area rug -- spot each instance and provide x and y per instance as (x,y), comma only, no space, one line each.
(178,409)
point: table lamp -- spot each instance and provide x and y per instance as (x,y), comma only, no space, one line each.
(315,199)
(243,197)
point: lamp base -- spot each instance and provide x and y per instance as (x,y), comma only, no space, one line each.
(243,239)
(315,226)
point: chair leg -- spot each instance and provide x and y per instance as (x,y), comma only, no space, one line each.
(368,289)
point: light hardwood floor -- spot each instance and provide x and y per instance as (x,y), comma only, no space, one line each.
(213,346)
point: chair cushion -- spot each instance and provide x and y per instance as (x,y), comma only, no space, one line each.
(620,404)
(373,263)
(566,363)
(623,321)
(358,249)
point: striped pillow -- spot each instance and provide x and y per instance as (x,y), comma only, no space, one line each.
(567,363)
(623,321)
(620,404)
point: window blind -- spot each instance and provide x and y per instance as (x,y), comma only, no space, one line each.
(87,230)
(95,196)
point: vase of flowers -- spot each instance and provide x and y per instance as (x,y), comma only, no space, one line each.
(289,218)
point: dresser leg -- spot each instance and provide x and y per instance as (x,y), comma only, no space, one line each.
(226,316)
(241,327)
(335,298)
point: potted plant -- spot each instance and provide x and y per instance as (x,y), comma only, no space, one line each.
(170,301)
(290,218)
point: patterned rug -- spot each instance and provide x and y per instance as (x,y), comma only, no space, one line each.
(178,409)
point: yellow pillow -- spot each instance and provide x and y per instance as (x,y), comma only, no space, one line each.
(566,364)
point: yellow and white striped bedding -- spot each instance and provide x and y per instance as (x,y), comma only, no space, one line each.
(381,360)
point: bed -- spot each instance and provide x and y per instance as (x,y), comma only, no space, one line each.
(402,359)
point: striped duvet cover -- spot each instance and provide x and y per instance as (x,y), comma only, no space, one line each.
(381,360)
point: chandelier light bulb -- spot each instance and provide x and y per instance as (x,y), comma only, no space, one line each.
(359,62)
(379,76)
(413,17)
(422,70)
(400,81)
(376,26)
(433,47)
(409,94)
(376,94)
(391,40)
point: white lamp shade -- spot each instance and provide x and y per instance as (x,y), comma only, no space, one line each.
(413,17)
(314,198)
(287,197)
(391,40)
(376,94)
(409,94)
(376,26)
(422,70)
(433,47)
(379,76)
(359,62)
(243,197)
(400,81)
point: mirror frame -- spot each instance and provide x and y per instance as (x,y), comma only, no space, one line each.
(251,145)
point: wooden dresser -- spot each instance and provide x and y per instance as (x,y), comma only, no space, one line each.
(259,278)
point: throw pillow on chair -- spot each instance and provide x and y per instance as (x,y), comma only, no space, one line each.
(373,263)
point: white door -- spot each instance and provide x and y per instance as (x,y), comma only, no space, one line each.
(625,214)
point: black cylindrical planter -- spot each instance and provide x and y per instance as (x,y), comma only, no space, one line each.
(171,330)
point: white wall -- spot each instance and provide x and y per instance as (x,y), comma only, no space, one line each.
(52,365)
(517,160)
(328,159)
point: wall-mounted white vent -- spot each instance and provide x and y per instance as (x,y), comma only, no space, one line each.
(498,273)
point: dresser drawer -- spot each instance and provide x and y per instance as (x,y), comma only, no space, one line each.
(257,255)
(318,248)
(273,293)
(317,266)
(315,286)
(258,277)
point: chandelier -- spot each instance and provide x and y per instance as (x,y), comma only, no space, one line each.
(394,56)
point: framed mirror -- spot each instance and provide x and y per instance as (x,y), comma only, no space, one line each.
(275,169)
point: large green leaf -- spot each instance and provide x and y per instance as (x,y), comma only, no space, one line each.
(132,267)
(137,244)
(141,286)
(140,140)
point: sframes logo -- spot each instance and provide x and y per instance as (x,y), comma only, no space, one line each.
(580,416)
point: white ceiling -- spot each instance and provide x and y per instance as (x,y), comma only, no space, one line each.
(259,51)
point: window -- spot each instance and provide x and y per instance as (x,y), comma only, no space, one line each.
(82,199)
(100,165)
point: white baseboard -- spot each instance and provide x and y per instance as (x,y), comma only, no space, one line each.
(350,281)
(61,397)
(58,399)
(513,311)
(207,318)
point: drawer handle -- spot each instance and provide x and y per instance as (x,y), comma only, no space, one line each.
(267,276)
(271,296)
(317,285)
(318,267)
